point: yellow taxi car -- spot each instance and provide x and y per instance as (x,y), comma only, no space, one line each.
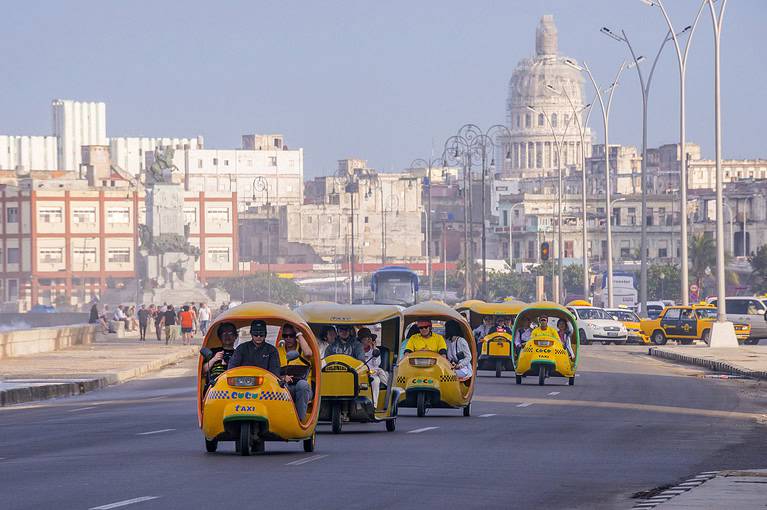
(631,320)
(686,324)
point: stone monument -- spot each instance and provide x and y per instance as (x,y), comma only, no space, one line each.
(167,268)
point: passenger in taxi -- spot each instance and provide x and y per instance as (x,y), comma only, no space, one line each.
(345,343)
(563,329)
(218,364)
(378,375)
(426,339)
(457,344)
(297,369)
(523,334)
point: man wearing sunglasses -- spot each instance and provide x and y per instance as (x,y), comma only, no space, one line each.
(543,331)
(296,371)
(258,352)
(426,339)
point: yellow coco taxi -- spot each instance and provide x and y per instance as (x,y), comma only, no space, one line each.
(429,380)
(495,347)
(544,355)
(250,405)
(355,390)
(686,324)
(632,322)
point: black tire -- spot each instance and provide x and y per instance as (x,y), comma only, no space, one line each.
(519,379)
(752,341)
(310,443)
(542,370)
(467,410)
(391,425)
(258,447)
(244,442)
(498,367)
(571,381)
(211,446)
(659,338)
(705,337)
(583,338)
(421,404)
(336,418)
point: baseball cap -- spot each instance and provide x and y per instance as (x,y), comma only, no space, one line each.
(258,327)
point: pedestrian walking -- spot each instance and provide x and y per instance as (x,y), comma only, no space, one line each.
(143,322)
(204,316)
(157,319)
(168,322)
(186,318)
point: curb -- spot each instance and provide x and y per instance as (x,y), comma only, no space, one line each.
(711,364)
(676,490)
(68,389)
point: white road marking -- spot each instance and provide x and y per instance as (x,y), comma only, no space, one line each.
(125,502)
(418,431)
(306,461)
(487,415)
(525,404)
(553,393)
(154,432)
(81,409)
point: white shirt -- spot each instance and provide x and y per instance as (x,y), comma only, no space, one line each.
(204,313)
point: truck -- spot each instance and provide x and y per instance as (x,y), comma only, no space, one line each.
(624,290)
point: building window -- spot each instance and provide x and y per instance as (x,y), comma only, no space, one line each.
(13,255)
(215,161)
(519,120)
(506,217)
(226,162)
(83,256)
(309,219)
(50,215)
(569,249)
(118,255)
(190,215)
(528,120)
(662,253)
(218,214)
(1,260)
(218,255)
(541,120)
(12,215)
(199,163)
(84,215)
(625,249)
(273,160)
(366,219)
(554,120)
(50,256)
(13,290)
(118,215)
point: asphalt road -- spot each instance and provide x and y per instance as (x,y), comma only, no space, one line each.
(631,423)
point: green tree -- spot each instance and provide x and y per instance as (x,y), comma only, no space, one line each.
(255,287)
(758,263)
(502,284)
(573,281)
(663,282)
(702,257)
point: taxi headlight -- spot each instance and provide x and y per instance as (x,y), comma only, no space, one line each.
(543,343)
(594,326)
(245,381)
(423,362)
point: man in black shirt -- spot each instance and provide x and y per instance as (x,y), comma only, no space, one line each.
(219,363)
(257,353)
(143,321)
(169,322)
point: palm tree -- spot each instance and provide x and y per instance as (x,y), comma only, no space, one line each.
(702,253)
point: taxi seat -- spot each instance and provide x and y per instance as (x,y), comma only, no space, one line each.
(385,361)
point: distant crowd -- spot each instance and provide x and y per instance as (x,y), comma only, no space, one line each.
(167,321)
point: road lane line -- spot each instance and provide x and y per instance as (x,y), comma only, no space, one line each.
(487,415)
(81,409)
(525,404)
(418,431)
(154,432)
(125,502)
(553,393)
(306,461)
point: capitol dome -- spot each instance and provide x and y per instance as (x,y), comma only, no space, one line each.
(533,145)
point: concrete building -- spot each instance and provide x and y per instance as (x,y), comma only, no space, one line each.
(242,170)
(27,153)
(63,242)
(77,123)
(129,153)
(532,146)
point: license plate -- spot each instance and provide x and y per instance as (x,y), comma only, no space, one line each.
(612,333)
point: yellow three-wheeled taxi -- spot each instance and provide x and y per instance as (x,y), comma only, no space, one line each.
(250,405)
(429,380)
(347,384)
(496,348)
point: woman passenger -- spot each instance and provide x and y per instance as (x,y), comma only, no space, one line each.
(458,344)
(564,336)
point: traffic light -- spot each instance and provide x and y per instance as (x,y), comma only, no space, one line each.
(544,251)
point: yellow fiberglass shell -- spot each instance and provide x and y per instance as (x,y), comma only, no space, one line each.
(338,377)
(497,344)
(476,310)
(284,417)
(557,355)
(579,302)
(456,393)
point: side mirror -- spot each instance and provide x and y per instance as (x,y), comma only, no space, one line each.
(291,355)
(206,353)
(460,355)
(376,353)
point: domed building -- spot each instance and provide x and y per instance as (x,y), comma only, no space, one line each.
(532,146)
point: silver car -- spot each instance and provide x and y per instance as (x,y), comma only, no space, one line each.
(747,310)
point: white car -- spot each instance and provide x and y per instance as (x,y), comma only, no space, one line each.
(596,325)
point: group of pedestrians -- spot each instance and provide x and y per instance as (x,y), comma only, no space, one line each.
(166,320)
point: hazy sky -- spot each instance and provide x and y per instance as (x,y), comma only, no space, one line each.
(387,81)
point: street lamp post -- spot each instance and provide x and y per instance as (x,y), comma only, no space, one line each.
(511,245)
(605,107)
(682,64)
(645,89)
(428,164)
(260,185)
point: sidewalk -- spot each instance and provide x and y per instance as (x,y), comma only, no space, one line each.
(733,490)
(109,360)
(746,360)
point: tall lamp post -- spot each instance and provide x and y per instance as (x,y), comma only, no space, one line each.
(428,164)
(605,107)
(682,64)
(645,89)
(584,217)
(260,185)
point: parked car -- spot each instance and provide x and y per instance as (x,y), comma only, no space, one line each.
(686,324)
(631,320)
(747,310)
(42,309)
(596,325)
